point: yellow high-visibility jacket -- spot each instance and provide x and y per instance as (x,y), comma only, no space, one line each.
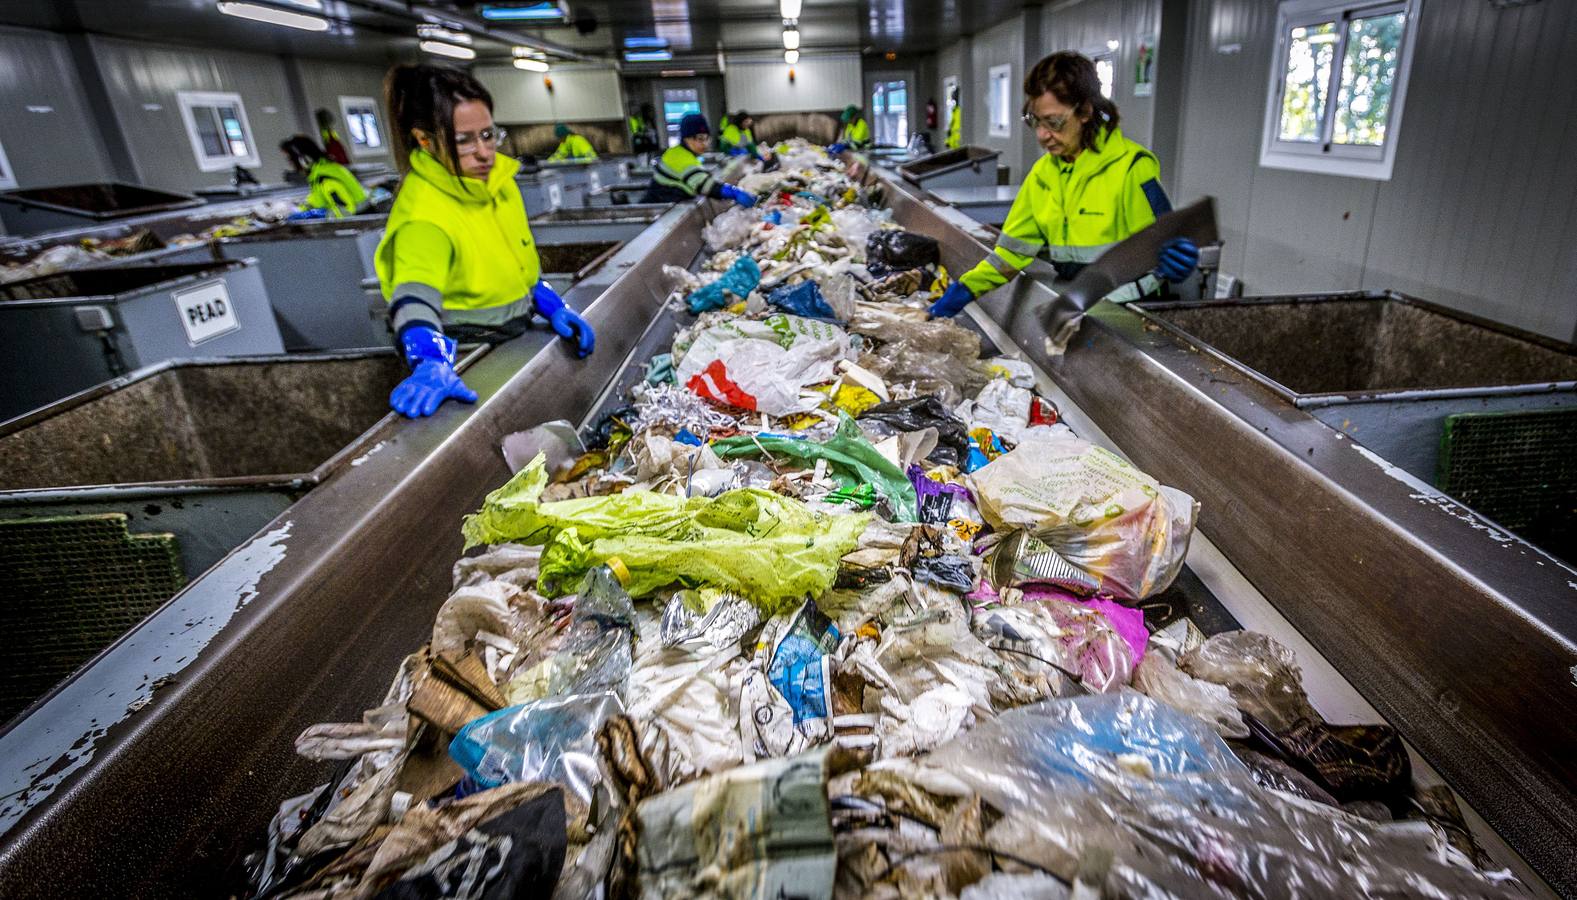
(573,147)
(955,128)
(457,249)
(856,134)
(1073,212)
(334,188)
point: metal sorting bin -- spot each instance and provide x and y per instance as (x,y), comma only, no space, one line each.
(37,210)
(963,167)
(542,191)
(66,332)
(573,262)
(580,180)
(313,274)
(1484,412)
(112,500)
(605,223)
(986,204)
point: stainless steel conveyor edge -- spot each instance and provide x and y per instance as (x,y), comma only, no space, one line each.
(1461,635)
(156,767)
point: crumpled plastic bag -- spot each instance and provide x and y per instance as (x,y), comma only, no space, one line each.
(730,229)
(1159,678)
(910,327)
(855,225)
(1002,408)
(595,657)
(920,413)
(762,366)
(785,699)
(803,299)
(547,740)
(893,250)
(853,460)
(1155,790)
(740,279)
(1260,672)
(769,548)
(950,378)
(1046,630)
(1096,510)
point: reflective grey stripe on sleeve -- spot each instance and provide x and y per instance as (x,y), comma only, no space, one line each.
(1087,253)
(1019,246)
(416,303)
(1001,265)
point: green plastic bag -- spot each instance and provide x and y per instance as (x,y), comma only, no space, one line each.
(852,461)
(771,549)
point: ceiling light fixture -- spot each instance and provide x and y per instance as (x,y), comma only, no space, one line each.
(791,56)
(535,12)
(789,8)
(453,51)
(677,73)
(791,38)
(273,15)
(531,65)
(648,55)
(1112,45)
(440,33)
(641,42)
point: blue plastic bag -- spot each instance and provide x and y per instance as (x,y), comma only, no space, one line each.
(546,740)
(739,280)
(803,300)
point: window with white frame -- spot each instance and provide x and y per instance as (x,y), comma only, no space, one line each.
(216,123)
(7,176)
(1000,100)
(1337,83)
(361,123)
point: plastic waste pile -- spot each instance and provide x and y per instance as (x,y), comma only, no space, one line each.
(92,251)
(837,606)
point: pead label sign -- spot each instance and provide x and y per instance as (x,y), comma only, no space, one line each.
(206,311)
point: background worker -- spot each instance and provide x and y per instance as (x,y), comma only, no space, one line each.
(1093,188)
(643,133)
(955,124)
(736,138)
(333,147)
(572,147)
(457,261)
(854,133)
(679,175)
(334,190)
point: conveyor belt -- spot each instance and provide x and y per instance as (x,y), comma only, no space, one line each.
(156,768)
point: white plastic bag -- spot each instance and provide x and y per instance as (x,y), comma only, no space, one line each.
(729,230)
(1002,408)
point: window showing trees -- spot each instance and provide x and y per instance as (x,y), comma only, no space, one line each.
(1338,82)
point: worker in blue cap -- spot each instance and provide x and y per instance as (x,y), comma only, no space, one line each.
(679,174)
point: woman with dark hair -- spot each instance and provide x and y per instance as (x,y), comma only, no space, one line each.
(334,190)
(457,261)
(1093,188)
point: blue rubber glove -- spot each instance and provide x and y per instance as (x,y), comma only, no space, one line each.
(739,196)
(737,151)
(570,327)
(432,379)
(952,303)
(307,215)
(835,149)
(1178,259)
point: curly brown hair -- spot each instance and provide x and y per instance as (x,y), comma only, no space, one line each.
(1071,78)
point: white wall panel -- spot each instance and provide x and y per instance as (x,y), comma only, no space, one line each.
(48,132)
(761,84)
(578,94)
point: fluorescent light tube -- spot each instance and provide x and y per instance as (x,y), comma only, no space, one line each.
(453,51)
(273,15)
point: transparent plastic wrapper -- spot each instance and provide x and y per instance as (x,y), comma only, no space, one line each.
(547,740)
(910,328)
(1125,778)
(949,378)
(1002,408)
(596,655)
(1094,509)
(730,229)
(856,225)
(1070,637)
(769,548)
(1159,678)
(785,698)
(1262,675)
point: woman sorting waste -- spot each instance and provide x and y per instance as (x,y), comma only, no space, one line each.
(572,147)
(335,192)
(1093,188)
(854,133)
(679,175)
(457,261)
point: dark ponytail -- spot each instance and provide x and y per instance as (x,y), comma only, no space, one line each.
(1071,78)
(421,96)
